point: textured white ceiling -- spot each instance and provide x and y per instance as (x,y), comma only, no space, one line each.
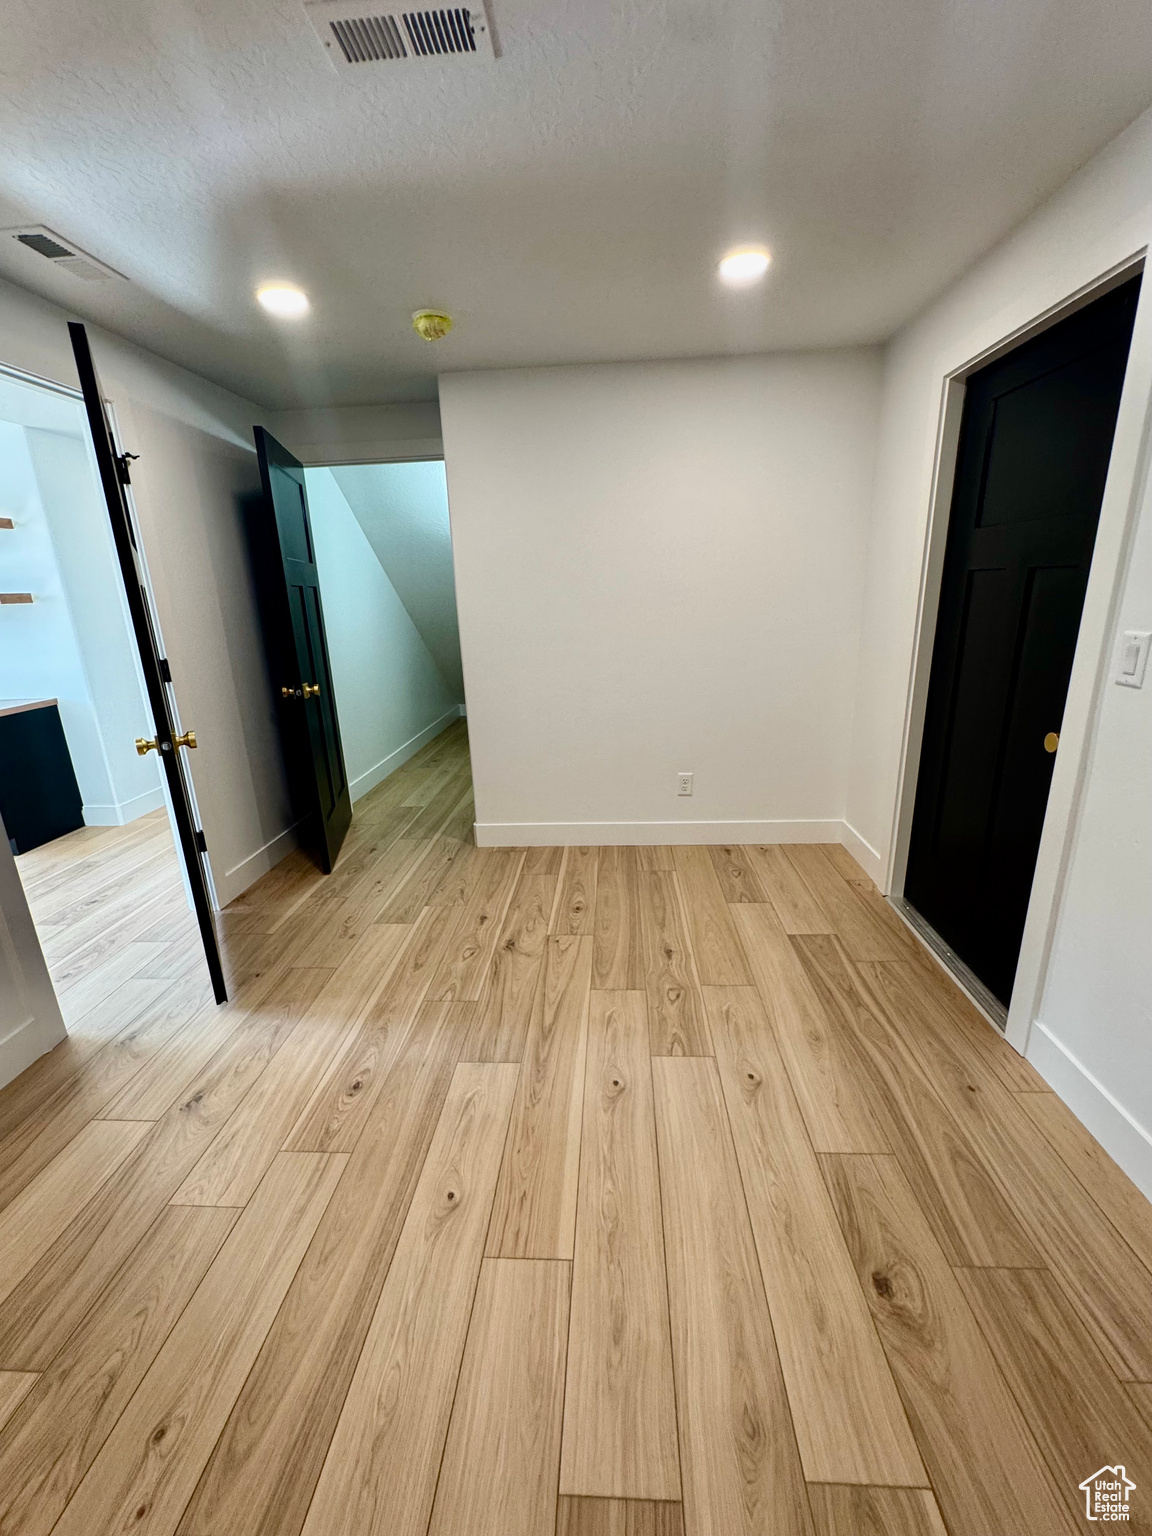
(567,202)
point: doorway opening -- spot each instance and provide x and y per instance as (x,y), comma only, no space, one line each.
(384,549)
(354,566)
(85,815)
(1032,459)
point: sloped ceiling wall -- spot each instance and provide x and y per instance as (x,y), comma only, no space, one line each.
(403,510)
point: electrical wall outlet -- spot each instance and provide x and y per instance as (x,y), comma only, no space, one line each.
(683,783)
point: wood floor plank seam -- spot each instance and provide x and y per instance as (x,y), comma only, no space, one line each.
(956,1189)
(671,979)
(534,1213)
(573,911)
(782,1322)
(515,973)
(620,1436)
(725,1485)
(40,1464)
(1107,1281)
(366,1455)
(1076,1407)
(341,1105)
(664,1255)
(84,1096)
(72,1273)
(485,1520)
(244,1147)
(70,1180)
(982,1458)
(759,1267)
(14,1387)
(1121,1201)
(847,1414)
(281,1426)
(874,1510)
(619,1517)
(835,1110)
(296,1192)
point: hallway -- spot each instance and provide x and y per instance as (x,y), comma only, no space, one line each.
(605,1192)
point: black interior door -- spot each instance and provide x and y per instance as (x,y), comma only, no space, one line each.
(114,478)
(298,653)
(1035,440)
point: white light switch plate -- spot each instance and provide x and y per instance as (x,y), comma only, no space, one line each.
(1132,662)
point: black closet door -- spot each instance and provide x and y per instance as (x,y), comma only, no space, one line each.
(1035,441)
(293,618)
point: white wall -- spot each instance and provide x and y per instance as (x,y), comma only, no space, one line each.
(390,695)
(197,464)
(658,569)
(360,434)
(85,556)
(1093,1040)
(403,510)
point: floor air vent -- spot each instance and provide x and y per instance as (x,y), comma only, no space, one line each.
(62,253)
(357,34)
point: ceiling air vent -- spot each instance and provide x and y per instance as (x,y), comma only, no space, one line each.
(62,253)
(356,33)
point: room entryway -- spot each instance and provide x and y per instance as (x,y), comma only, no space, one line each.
(83,810)
(358,606)
(1035,442)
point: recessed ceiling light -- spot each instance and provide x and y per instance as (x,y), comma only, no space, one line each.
(746,265)
(284,300)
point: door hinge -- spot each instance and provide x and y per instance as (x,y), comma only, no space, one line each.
(122,462)
(201,841)
(165,669)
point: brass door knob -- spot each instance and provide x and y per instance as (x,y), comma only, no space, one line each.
(144,746)
(188,739)
(1051,741)
(311,690)
(288,693)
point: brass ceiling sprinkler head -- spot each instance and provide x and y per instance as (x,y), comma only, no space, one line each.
(431,324)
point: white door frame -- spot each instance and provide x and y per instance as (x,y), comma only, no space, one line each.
(1123,490)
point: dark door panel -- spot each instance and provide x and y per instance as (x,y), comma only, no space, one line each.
(292,615)
(1044,458)
(114,478)
(1035,441)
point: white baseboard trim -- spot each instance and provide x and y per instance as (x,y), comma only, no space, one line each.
(364,782)
(1118,1132)
(122,812)
(644,834)
(237,879)
(864,853)
(26,1044)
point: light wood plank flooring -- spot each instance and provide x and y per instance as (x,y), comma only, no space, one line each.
(544,1192)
